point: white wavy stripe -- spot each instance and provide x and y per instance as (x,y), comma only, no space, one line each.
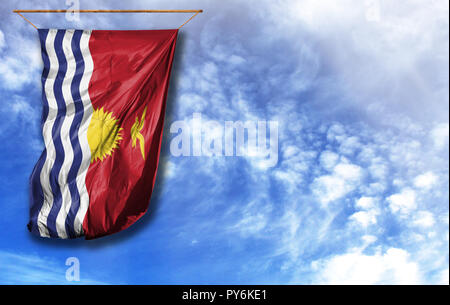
(47,134)
(65,135)
(82,132)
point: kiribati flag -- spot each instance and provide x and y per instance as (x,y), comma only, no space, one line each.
(104,98)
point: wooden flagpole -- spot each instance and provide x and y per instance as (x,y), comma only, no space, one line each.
(19,12)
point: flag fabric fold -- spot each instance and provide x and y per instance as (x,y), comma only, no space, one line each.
(104,97)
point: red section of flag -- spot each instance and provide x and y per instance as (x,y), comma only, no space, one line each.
(131,74)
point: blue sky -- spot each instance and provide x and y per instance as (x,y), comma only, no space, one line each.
(360,192)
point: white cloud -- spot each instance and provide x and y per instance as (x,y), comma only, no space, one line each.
(291,178)
(398,37)
(424,219)
(349,145)
(444,277)
(336,133)
(426,180)
(2,40)
(365,203)
(290,151)
(378,168)
(20,107)
(369,213)
(20,111)
(403,202)
(254,218)
(18,71)
(344,179)
(328,159)
(330,188)
(392,267)
(20,59)
(440,135)
(169,168)
(373,189)
(368,239)
(365,218)
(350,172)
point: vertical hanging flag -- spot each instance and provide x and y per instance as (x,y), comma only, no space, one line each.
(104,98)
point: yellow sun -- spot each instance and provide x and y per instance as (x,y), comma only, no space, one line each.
(103,134)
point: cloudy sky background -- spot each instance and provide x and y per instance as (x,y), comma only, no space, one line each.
(360,192)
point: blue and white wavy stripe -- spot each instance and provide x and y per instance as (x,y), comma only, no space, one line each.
(59,196)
